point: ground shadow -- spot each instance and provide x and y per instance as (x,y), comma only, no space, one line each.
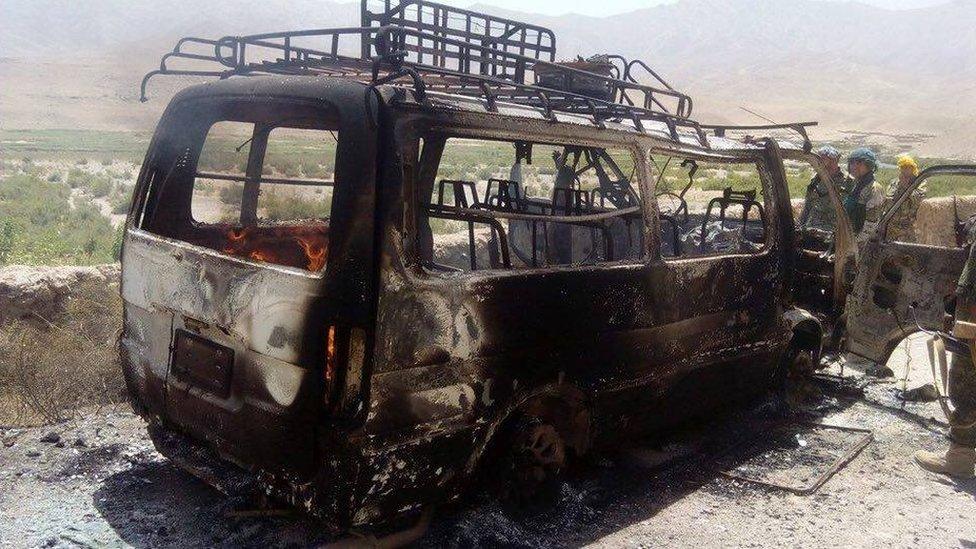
(618,492)
(156,504)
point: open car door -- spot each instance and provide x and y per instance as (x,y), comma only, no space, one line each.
(822,260)
(900,285)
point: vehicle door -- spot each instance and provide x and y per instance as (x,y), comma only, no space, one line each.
(901,286)
(722,280)
(823,258)
(247,276)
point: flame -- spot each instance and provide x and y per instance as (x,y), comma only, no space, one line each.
(315,254)
(291,246)
(236,240)
(330,355)
(237,234)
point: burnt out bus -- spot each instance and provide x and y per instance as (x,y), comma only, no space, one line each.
(356,281)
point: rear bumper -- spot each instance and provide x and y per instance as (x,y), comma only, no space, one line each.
(202,463)
(327,497)
(351,488)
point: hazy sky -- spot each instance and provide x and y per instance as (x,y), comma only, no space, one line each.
(610,7)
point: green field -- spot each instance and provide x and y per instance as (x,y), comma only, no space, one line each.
(62,192)
(73,145)
(40,226)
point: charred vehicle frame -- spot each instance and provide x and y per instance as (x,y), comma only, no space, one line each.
(376,382)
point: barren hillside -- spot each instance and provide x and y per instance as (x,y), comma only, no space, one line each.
(849,65)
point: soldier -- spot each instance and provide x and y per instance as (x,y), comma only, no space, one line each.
(818,212)
(902,225)
(958,461)
(863,204)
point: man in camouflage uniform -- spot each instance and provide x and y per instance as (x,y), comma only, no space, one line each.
(818,211)
(865,201)
(902,225)
(958,461)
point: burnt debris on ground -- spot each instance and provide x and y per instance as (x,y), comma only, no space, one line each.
(107,486)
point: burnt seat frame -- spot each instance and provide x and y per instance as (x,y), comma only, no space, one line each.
(467,208)
(568,206)
(745,199)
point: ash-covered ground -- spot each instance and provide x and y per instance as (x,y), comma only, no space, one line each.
(97,482)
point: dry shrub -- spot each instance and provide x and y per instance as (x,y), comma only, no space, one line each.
(50,367)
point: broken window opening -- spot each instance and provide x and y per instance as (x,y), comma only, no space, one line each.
(256,188)
(489,205)
(710,207)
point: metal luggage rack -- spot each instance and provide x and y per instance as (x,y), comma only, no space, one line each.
(460,52)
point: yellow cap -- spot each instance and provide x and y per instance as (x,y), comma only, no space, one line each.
(905,161)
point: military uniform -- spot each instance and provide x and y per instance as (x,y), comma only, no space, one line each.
(962,372)
(902,225)
(818,210)
(864,205)
(960,459)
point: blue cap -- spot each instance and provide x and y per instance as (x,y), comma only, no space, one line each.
(829,152)
(864,155)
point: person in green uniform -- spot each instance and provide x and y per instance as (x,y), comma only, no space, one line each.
(864,203)
(958,461)
(818,211)
(901,228)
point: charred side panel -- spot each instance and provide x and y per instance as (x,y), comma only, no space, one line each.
(644,345)
(895,278)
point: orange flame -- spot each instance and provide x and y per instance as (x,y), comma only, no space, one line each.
(237,234)
(236,239)
(330,355)
(291,246)
(315,254)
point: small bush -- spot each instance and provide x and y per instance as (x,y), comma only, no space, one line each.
(99,186)
(6,242)
(50,367)
(78,178)
(117,243)
(232,195)
(289,208)
(120,203)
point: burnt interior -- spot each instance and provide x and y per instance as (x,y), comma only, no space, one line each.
(587,210)
(528,230)
(303,247)
(293,238)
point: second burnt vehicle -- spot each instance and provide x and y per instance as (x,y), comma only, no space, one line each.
(359,279)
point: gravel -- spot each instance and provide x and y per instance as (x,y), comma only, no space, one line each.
(108,487)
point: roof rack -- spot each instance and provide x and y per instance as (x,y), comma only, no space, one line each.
(455,51)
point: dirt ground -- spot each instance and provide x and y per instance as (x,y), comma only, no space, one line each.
(97,482)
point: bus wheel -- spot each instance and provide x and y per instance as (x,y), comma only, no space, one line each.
(532,463)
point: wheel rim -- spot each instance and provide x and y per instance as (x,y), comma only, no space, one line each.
(537,459)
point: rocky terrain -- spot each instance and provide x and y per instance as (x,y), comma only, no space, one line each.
(95,481)
(28,292)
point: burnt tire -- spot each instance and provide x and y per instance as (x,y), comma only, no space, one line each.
(796,385)
(529,463)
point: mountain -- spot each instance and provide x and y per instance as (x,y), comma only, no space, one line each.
(850,65)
